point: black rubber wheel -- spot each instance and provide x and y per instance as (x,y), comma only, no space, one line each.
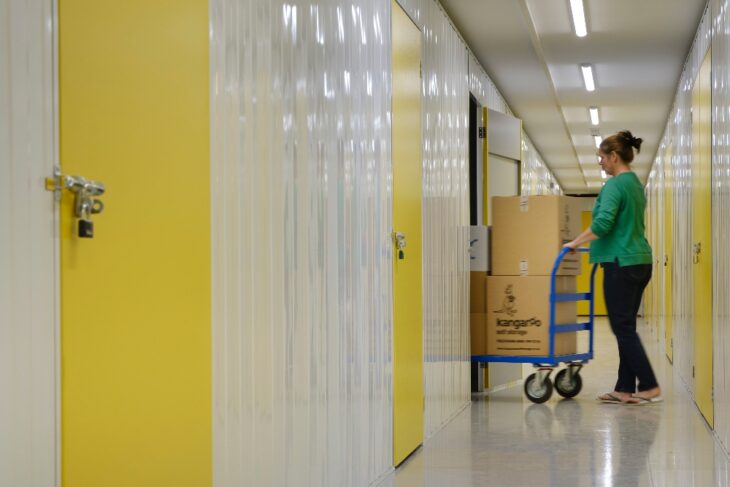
(565,386)
(536,393)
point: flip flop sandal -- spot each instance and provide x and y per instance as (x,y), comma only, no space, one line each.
(642,401)
(609,398)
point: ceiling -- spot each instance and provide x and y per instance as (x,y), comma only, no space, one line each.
(529,50)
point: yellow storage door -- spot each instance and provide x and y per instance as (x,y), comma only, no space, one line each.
(668,259)
(135,298)
(702,239)
(407,268)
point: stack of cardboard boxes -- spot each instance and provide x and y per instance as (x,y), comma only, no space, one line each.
(527,235)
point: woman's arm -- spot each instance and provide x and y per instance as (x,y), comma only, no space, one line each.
(584,237)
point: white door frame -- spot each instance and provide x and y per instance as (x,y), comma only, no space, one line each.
(29,246)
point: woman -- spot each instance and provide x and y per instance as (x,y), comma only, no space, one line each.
(623,252)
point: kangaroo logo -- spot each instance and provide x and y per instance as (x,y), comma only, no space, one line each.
(508,303)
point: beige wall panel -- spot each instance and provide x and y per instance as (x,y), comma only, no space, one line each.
(28,246)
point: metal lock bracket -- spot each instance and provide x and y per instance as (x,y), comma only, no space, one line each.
(400,244)
(85,203)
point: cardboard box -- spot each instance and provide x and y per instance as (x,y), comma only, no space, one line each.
(479,248)
(518,315)
(528,233)
(478,292)
(478,333)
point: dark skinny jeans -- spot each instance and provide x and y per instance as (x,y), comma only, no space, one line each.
(622,289)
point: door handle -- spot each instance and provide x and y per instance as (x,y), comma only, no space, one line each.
(696,250)
(85,203)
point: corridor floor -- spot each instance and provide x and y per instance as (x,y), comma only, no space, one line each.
(504,440)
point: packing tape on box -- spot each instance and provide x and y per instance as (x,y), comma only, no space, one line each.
(524,203)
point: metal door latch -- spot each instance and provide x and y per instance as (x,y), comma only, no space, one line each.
(85,203)
(400,244)
(696,250)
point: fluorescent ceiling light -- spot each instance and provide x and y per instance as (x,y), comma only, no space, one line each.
(603,174)
(594,115)
(579,18)
(587,70)
(597,139)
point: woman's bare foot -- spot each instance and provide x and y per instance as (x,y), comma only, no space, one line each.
(648,394)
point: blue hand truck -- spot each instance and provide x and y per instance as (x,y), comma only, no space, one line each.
(538,387)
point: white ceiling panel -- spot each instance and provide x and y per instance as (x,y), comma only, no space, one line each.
(637,49)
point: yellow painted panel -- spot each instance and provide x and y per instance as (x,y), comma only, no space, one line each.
(485,197)
(485,167)
(668,256)
(407,272)
(135,299)
(701,239)
(583,280)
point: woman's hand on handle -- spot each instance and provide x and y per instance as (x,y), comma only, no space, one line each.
(584,237)
(571,245)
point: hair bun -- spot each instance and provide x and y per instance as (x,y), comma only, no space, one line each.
(634,142)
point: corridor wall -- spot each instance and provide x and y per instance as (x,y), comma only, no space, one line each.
(678,132)
(713,31)
(29,362)
(450,73)
(536,177)
(654,293)
(721,215)
(302,263)
(446,219)
(302,296)
(445,214)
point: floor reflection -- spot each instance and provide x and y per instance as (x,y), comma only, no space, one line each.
(502,439)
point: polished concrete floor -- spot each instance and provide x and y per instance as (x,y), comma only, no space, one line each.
(502,439)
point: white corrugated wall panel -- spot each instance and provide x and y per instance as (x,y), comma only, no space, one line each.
(678,134)
(721,215)
(683,337)
(446,219)
(302,265)
(483,88)
(28,346)
(536,177)
(684,343)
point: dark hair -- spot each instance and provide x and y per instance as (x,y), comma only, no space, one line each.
(623,144)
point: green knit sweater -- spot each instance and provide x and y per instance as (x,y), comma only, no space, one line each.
(618,222)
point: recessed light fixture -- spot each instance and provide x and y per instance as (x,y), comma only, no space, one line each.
(579,17)
(587,71)
(594,115)
(597,139)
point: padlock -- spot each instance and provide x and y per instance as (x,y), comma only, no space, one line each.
(86,228)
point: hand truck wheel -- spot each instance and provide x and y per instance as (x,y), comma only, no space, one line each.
(568,385)
(538,387)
